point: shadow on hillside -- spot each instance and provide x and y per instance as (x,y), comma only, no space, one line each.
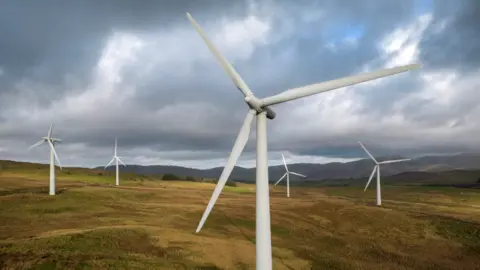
(84,250)
(248,238)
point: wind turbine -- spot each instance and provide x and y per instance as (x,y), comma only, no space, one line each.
(53,155)
(287,174)
(377,169)
(117,159)
(259,108)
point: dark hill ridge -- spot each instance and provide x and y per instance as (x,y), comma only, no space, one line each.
(454,178)
(335,170)
(469,178)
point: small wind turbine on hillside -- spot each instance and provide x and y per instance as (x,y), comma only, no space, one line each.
(376,168)
(53,155)
(259,108)
(287,174)
(116,159)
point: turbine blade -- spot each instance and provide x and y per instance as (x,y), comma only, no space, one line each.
(313,89)
(297,174)
(237,150)
(50,131)
(111,161)
(55,154)
(371,176)
(284,163)
(121,161)
(280,179)
(36,144)
(232,73)
(115,146)
(368,153)
(394,161)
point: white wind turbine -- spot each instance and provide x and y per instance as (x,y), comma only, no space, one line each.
(53,155)
(376,168)
(287,174)
(259,108)
(117,159)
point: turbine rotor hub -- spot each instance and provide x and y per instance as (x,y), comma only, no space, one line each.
(255,104)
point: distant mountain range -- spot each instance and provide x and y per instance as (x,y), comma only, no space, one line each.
(455,171)
(330,171)
(454,178)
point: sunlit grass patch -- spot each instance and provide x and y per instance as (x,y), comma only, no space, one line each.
(240,190)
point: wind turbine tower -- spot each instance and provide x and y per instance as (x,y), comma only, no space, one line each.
(53,155)
(116,159)
(376,168)
(259,109)
(287,174)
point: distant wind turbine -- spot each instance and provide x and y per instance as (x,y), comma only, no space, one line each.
(117,159)
(377,169)
(53,155)
(287,174)
(260,109)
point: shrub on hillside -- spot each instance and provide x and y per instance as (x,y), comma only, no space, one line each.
(190,178)
(231,183)
(170,176)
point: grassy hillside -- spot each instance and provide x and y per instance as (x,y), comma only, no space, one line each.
(34,171)
(97,175)
(150,225)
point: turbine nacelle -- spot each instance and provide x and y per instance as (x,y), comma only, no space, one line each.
(51,139)
(256,104)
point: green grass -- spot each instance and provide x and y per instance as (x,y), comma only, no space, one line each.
(151,224)
(110,248)
(239,189)
(467,233)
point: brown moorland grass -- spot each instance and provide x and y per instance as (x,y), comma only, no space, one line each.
(151,225)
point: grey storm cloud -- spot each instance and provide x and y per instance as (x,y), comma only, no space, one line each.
(173,96)
(457,45)
(46,41)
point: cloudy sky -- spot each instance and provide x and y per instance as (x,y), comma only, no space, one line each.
(138,70)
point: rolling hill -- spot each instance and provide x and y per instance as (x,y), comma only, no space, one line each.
(336,170)
(454,178)
(432,175)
